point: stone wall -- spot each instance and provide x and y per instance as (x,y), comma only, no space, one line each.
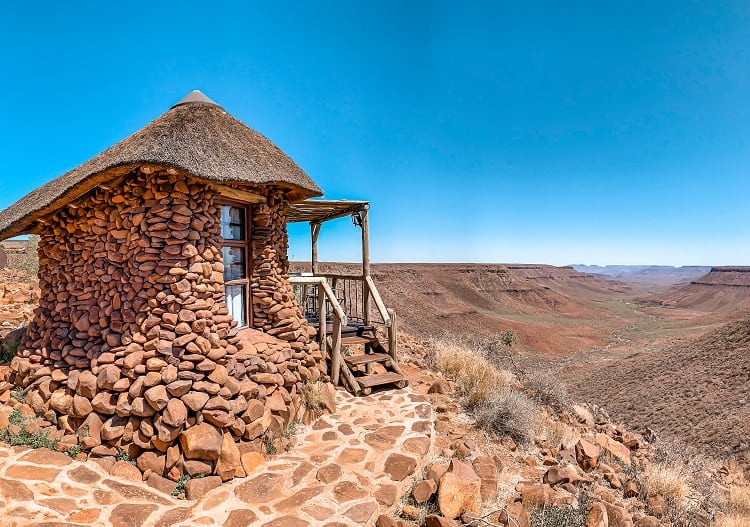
(132,347)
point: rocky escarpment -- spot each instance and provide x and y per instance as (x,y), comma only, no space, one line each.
(132,348)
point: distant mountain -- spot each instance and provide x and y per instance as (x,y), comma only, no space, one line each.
(722,290)
(647,275)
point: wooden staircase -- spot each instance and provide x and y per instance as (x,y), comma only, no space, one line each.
(355,354)
(371,364)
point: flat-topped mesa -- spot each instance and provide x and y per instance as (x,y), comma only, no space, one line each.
(166,326)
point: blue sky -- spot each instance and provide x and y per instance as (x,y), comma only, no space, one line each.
(549,132)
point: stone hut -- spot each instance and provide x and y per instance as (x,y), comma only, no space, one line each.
(167,328)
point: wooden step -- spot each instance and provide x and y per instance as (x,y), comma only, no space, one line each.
(368,381)
(357,360)
(353,340)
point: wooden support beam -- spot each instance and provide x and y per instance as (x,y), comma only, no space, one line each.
(244,196)
(365,265)
(314,232)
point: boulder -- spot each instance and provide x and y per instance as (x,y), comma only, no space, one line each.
(201,441)
(597,516)
(229,458)
(460,490)
(587,454)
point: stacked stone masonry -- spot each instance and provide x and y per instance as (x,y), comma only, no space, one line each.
(132,348)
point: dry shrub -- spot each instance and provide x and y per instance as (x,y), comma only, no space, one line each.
(508,412)
(476,377)
(316,397)
(682,476)
(557,433)
(547,389)
(737,505)
(671,482)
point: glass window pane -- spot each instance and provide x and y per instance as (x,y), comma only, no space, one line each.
(236,303)
(234,263)
(232,223)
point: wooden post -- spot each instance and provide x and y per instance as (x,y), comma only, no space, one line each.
(365,265)
(322,324)
(392,335)
(336,351)
(314,232)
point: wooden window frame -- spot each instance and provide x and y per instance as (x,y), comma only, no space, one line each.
(246,244)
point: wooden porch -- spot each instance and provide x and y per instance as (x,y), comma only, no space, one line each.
(356,331)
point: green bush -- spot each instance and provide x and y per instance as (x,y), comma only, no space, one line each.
(24,437)
(9,349)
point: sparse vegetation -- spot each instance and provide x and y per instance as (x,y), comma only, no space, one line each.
(20,432)
(74,451)
(182,481)
(18,394)
(8,349)
(547,389)
(558,516)
(268,443)
(485,390)
(682,477)
(508,412)
(477,378)
(316,398)
(122,455)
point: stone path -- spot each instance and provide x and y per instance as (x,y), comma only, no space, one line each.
(345,470)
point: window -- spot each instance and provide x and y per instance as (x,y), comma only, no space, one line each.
(236,250)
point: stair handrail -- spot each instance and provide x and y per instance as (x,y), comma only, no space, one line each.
(339,320)
(384,312)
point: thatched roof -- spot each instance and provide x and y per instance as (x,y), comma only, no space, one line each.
(197,136)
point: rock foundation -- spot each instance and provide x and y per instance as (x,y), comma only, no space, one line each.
(132,348)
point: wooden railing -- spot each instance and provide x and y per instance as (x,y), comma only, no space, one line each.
(325,297)
(339,299)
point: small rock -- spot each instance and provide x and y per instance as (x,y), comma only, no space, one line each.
(197,488)
(424,490)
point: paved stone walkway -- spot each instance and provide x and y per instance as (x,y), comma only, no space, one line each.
(345,470)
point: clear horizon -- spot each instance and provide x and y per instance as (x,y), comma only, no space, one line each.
(607,133)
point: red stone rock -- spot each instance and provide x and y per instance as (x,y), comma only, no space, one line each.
(587,454)
(202,441)
(459,490)
(198,487)
(125,470)
(597,516)
(424,490)
(229,458)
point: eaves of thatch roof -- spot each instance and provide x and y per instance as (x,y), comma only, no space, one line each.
(195,136)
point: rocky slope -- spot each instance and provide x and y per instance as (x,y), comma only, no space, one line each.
(698,391)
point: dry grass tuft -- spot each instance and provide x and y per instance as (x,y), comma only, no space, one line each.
(509,412)
(316,397)
(477,378)
(671,482)
(736,503)
(557,433)
(732,520)
(547,389)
